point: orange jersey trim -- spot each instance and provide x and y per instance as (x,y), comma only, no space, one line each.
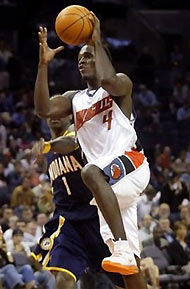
(136,157)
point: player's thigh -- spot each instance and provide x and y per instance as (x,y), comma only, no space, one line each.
(67,252)
(129,188)
(64,281)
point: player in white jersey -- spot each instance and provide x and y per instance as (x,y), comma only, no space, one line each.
(117,171)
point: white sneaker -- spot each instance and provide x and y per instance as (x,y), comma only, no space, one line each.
(122,260)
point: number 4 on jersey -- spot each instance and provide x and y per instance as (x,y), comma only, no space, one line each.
(108,118)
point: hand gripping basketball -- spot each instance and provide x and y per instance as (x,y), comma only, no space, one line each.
(74,25)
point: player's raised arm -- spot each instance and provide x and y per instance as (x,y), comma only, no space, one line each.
(45,107)
(116,84)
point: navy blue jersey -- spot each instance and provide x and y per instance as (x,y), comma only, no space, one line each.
(71,196)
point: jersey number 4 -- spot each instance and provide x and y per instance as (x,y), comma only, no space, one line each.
(108,118)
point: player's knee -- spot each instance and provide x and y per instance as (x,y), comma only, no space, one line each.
(89,173)
(64,281)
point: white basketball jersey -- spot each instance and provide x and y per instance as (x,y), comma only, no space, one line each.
(103,130)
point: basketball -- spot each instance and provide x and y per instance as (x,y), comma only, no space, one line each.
(73,25)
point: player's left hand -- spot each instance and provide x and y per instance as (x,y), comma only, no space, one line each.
(46,54)
(96,34)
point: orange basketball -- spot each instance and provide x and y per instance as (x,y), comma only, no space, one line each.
(73,25)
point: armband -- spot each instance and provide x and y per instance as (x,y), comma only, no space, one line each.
(46,148)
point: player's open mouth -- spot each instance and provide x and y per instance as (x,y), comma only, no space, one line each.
(54,121)
(82,68)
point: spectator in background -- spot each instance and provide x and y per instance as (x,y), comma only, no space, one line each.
(180,246)
(179,165)
(157,251)
(185,215)
(167,232)
(7,212)
(185,177)
(27,214)
(7,161)
(26,159)
(4,189)
(163,212)
(5,52)
(32,230)
(42,219)
(146,97)
(21,253)
(14,178)
(151,273)
(12,225)
(6,103)
(174,193)
(11,278)
(28,239)
(19,116)
(45,204)
(183,113)
(166,157)
(146,228)
(23,194)
(38,190)
(146,202)
(16,244)
(157,172)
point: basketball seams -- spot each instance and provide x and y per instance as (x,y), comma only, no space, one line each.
(81,17)
(80,31)
(90,25)
(88,21)
(82,11)
(78,14)
(70,25)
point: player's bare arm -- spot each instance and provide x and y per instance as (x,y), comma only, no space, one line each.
(62,144)
(116,84)
(45,107)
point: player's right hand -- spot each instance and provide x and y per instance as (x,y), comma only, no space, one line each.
(96,34)
(37,150)
(46,54)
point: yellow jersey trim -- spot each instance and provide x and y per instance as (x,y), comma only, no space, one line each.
(61,270)
(52,237)
(36,257)
(71,133)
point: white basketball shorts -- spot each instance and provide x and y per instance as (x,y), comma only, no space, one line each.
(129,176)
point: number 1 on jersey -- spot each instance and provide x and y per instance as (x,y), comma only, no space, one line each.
(108,118)
(66,185)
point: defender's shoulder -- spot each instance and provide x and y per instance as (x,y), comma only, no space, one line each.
(69,94)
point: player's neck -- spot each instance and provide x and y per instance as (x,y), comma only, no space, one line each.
(57,133)
(93,84)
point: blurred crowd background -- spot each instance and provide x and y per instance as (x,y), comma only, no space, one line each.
(150,41)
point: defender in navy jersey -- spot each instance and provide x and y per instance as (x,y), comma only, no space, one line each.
(71,197)
(72,241)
